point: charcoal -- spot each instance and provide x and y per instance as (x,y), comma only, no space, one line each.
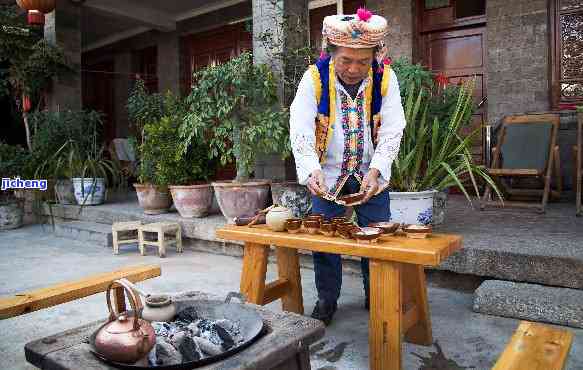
(194,330)
(166,354)
(190,350)
(207,346)
(188,315)
(226,337)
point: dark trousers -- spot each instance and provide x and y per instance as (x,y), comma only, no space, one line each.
(328,266)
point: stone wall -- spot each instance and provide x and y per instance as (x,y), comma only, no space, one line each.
(518,57)
(400,16)
(63,28)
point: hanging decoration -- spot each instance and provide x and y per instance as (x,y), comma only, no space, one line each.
(37,9)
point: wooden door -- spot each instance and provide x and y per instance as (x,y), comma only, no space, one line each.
(461,55)
(145,63)
(452,41)
(99,95)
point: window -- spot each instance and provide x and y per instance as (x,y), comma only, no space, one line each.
(566,22)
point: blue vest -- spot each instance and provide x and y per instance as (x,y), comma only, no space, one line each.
(324,79)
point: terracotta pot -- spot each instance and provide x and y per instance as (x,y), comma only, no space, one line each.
(192,200)
(241,199)
(43,6)
(153,199)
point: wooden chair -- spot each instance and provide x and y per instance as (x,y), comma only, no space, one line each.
(35,300)
(527,148)
(536,346)
(578,170)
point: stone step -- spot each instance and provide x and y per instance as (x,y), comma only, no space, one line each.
(532,302)
(91,232)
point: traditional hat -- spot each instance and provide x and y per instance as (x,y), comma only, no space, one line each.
(360,30)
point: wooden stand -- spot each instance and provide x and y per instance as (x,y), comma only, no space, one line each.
(399,305)
(160,229)
(124,227)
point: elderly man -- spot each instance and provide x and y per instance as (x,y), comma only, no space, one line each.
(346,126)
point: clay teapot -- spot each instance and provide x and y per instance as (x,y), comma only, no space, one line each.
(276,217)
(125,338)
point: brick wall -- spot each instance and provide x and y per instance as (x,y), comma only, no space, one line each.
(518,57)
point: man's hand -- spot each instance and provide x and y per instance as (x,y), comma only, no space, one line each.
(370,184)
(316,183)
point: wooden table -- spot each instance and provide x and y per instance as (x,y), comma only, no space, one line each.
(398,294)
(284,346)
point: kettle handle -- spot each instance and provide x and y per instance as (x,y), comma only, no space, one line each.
(135,301)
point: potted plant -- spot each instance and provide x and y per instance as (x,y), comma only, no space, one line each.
(433,155)
(187,172)
(13,164)
(235,107)
(52,136)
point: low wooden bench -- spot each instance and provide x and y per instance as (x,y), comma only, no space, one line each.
(35,300)
(536,346)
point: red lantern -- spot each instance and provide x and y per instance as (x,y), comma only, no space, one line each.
(37,9)
(35,17)
(26,104)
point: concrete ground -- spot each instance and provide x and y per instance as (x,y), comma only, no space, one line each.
(31,258)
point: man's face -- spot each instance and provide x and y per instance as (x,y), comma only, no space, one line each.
(352,65)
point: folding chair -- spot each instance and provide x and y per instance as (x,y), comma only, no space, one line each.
(527,148)
(577,150)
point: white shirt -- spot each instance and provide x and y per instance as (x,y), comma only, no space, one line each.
(303,113)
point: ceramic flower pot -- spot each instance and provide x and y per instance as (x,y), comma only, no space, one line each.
(65,191)
(241,199)
(89,191)
(153,199)
(414,208)
(292,196)
(192,200)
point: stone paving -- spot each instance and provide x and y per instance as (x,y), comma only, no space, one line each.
(31,258)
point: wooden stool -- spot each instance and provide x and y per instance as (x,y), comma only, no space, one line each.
(160,228)
(124,227)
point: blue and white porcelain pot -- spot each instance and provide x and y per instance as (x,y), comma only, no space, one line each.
(89,191)
(412,207)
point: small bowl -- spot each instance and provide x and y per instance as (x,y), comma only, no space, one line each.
(293,225)
(346,229)
(417,231)
(311,226)
(368,234)
(338,219)
(388,228)
(352,198)
(327,228)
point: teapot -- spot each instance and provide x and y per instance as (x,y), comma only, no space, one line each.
(276,217)
(125,338)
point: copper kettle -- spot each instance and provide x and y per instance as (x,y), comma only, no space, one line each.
(125,338)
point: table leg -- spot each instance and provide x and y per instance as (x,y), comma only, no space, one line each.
(415,298)
(385,315)
(288,266)
(254,270)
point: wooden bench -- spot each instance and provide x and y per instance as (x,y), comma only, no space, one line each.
(35,300)
(536,346)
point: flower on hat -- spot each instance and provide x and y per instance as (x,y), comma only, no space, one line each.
(364,14)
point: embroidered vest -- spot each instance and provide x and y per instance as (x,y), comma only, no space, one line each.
(324,79)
